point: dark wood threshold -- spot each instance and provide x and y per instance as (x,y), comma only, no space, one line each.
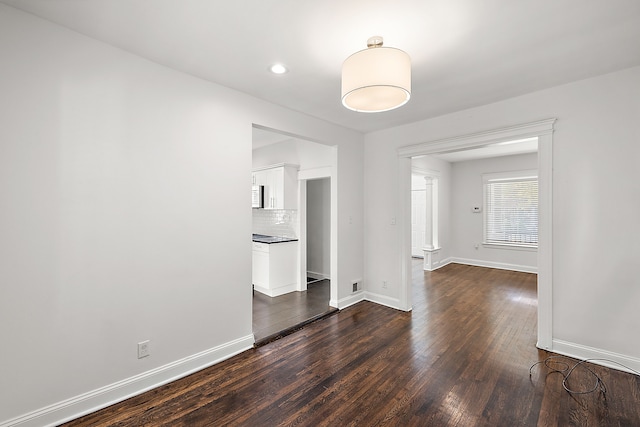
(294,328)
(273,315)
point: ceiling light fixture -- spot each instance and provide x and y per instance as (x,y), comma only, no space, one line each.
(278,69)
(376,79)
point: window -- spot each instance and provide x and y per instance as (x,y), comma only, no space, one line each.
(511,208)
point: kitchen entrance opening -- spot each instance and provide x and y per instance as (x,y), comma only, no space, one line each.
(293,222)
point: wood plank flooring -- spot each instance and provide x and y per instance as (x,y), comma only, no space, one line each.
(461,358)
(277,316)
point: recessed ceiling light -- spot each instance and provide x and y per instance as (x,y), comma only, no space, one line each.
(278,69)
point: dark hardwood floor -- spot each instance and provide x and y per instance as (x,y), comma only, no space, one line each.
(277,316)
(461,358)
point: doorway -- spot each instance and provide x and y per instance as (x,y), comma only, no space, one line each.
(313,224)
(318,227)
(542,130)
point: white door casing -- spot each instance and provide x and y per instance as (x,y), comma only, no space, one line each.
(543,130)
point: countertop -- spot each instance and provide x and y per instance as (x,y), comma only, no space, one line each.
(261,238)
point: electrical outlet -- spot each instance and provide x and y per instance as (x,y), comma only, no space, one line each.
(355,286)
(143,349)
(384,284)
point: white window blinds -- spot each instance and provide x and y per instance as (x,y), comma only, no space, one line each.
(511,208)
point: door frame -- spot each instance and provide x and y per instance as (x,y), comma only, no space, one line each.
(308,174)
(543,130)
(303,177)
(417,250)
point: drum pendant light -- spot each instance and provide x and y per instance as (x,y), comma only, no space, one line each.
(376,79)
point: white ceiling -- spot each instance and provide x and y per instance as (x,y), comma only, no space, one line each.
(464,53)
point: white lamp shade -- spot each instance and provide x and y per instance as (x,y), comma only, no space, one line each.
(376,79)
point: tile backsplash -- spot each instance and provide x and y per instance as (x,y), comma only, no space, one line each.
(275,222)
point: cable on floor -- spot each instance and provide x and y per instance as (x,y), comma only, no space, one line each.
(566,369)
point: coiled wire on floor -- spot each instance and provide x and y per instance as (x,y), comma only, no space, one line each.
(566,369)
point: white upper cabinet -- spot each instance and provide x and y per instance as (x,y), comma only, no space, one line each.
(280,186)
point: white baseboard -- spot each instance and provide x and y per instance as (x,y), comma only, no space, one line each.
(367,296)
(491,264)
(442,263)
(582,352)
(352,299)
(276,292)
(383,300)
(92,401)
(317,276)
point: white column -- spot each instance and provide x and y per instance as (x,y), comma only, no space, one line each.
(431,253)
(428,233)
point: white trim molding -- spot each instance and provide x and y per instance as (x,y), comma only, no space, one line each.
(545,239)
(583,352)
(480,139)
(102,397)
(345,302)
(443,263)
(431,258)
(315,173)
(384,300)
(498,265)
(318,276)
(304,175)
(368,296)
(276,292)
(541,129)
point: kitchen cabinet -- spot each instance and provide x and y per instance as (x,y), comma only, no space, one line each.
(274,270)
(280,186)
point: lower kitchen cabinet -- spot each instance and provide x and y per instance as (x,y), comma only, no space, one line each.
(274,267)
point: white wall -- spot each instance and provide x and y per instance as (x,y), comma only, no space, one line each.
(596,200)
(319,226)
(124,188)
(468,231)
(306,154)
